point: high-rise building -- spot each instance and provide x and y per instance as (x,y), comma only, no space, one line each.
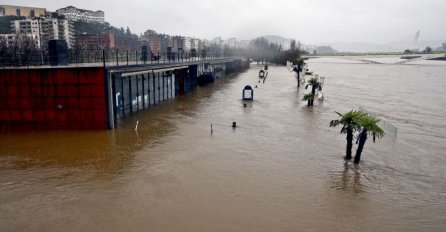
(45,29)
(95,41)
(8,10)
(75,14)
(166,43)
(153,41)
(178,43)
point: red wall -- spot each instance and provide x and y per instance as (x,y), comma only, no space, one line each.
(53,99)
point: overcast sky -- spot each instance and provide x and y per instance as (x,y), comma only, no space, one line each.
(310,21)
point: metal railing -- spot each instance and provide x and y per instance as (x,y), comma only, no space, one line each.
(104,57)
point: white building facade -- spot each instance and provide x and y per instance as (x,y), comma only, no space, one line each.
(75,14)
(44,29)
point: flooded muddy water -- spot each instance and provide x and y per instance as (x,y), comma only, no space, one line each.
(281,169)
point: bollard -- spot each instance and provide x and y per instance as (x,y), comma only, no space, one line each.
(244,105)
(136,127)
(212,131)
(234,124)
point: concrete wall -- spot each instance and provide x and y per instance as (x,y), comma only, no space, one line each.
(53,99)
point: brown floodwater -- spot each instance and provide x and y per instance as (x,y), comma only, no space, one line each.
(281,169)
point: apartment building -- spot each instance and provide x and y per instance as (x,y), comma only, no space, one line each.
(153,41)
(75,14)
(45,29)
(8,10)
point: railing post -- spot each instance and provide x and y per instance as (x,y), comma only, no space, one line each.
(130,94)
(117,57)
(103,57)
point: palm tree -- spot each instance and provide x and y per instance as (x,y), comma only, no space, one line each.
(350,124)
(315,84)
(369,126)
(308,97)
(298,69)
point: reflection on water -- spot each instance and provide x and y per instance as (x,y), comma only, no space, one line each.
(281,169)
(348,180)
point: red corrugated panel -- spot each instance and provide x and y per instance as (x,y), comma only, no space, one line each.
(84,91)
(73,103)
(48,78)
(3,103)
(37,103)
(85,103)
(3,90)
(51,115)
(98,103)
(84,78)
(99,115)
(85,115)
(13,91)
(4,116)
(14,115)
(62,116)
(35,78)
(100,125)
(97,90)
(40,115)
(25,90)
(37,126)
(71,78)
(87,125)
(74,125)
(27,115)
(13,103)
(98,79)
(48,90)
(25,103)
(61,91)
(36,90)
(52,125)
(49,103)
(74,115)
(23,78)
(72,90)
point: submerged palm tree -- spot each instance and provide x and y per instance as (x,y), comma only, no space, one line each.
(350,124)
(308,97)
(298,69)
(315,84)
(369,126)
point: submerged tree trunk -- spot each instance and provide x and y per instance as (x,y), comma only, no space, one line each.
(298,79)
(313,92)
(348,152)
(362,139)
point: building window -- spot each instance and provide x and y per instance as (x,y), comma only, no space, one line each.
(32,13)
(17,11)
